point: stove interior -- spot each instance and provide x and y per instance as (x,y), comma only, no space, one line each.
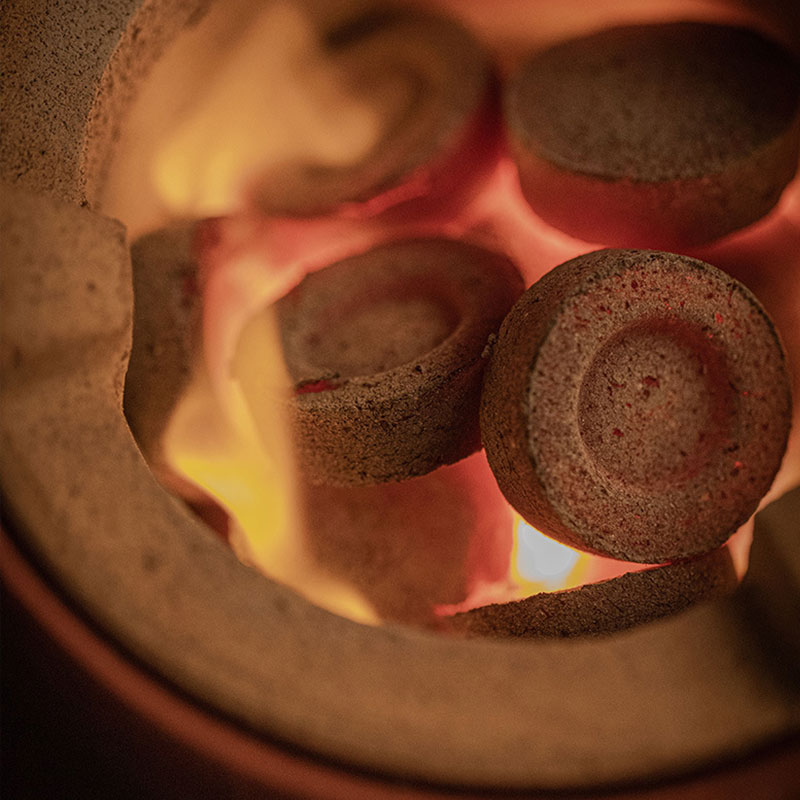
(264,147)
(260,152)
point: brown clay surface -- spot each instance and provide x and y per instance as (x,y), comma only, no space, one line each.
(156,586)
(69,74)
(686,691)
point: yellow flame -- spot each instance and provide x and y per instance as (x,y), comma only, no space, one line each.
(541,564)
(276,98)
(228,435)
(232,443)
(537,564)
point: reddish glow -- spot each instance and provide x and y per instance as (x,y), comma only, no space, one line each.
(299,106)
(499,217)
(413,546)
(540,564)
(248,261)
(228,435)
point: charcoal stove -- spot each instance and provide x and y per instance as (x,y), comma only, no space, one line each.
(215,676)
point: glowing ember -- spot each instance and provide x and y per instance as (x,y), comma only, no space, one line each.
(240,126)
(539,559)
(228,436)
(241,457)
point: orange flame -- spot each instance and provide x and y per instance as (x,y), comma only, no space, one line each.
(252,261)
(269,101)
(228,435)
(298,108)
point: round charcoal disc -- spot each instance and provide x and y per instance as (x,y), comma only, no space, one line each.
(598,609)
(386,352)
(656,135)
(637,405)
(440,127)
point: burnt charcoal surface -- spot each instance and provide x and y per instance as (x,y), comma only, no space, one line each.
(385,350)
(447,98)
(656,135)
(637,405)
(606,607)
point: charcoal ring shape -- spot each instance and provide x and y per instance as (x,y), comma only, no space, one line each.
(441,131)
(636,405)
(657,136)
(386,352)
(599,609)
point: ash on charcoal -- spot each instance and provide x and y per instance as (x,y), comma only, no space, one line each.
(656,135)
(636,405)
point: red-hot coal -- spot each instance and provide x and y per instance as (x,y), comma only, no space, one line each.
(624,410)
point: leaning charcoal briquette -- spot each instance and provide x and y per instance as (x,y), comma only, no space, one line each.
(663,135)
(385,351)
(636,405)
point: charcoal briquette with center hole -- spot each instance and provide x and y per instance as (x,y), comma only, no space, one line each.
(435,135)
(660,135)
(636,405)
(386,353)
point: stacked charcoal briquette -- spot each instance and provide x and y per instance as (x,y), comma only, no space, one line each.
(635,403)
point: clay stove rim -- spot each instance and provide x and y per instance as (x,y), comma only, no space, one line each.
(369,697)
(393,701)
(272,765)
